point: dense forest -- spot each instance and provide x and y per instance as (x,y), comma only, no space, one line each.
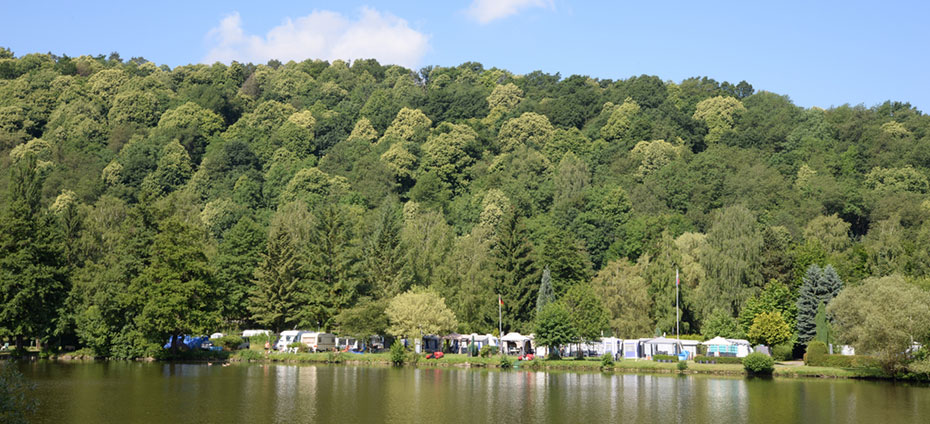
(140,201)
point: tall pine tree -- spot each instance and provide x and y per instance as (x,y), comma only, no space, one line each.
(515,273)
(819,286)
(277,284)
(33,280)
(331,268)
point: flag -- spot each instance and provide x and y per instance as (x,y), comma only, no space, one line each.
(676,277)
(499,300)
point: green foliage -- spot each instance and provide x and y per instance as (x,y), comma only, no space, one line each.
(487,351)
(783,352)
(819,286)
(775,297)
(257,342)
(816,350)
(746,188)
(516,273)
(758,363)
(417,313)
(398,353)
(770,329)
(16,403)
(721,324)
(882,317)
(589,318)
(682,365)
(229,342)
(554,327)
(505,362)
(607,360)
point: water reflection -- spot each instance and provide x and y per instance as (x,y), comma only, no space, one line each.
(153,393)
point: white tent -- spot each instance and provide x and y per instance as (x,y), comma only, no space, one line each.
(515,343)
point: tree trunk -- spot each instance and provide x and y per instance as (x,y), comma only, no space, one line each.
(19,342)
(174,343)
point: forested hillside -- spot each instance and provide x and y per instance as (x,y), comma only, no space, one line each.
(140,201)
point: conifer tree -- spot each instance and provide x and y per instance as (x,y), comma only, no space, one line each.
(331,268)
(818,286)
(33,280)
(515,272)
(278,279)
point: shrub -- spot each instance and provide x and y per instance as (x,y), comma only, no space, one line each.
(844,361)
(816,350)
(782,352)
(759,363)
(229,342)
(249,355)
(397,353)
(682,365)
(665,358)
(488,351)
(335,357)
(607,360)
(717,360)
(505,362)
(301,348)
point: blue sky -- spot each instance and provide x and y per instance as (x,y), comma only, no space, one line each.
(820,53)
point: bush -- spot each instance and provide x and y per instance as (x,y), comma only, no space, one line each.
(229,342)
(682,365)
(842,361)
(301,348)
(665,358)
(759,363)
(607,360)
(397,353)
(717,360)
(487,351)
(783,352)
(506,363)
(816,350)
(249,355)
(335,357)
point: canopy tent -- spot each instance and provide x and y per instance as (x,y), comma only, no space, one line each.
(516,344)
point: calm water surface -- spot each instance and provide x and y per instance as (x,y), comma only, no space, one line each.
(121,392)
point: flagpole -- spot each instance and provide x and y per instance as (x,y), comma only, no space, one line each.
(677,318)
(500,325)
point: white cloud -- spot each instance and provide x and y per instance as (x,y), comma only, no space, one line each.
(321,35)
(485,11)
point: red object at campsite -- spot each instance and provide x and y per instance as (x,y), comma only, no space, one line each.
(437,355)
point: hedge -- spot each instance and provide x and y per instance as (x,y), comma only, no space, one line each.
(665,358)
(718,360)
(817,356)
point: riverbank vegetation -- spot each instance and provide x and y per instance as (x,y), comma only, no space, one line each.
(141,202)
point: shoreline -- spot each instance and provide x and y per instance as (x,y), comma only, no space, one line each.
(625,366)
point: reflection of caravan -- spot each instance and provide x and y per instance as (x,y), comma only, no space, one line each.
(319,342)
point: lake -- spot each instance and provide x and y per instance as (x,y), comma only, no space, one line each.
(129,392)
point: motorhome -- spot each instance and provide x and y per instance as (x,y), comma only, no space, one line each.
(318,342)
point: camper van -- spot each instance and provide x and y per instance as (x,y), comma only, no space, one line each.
(288,337)
(318,342)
